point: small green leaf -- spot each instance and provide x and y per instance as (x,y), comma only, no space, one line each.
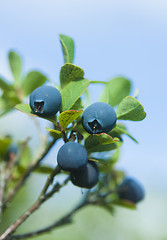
(25,108)
(67,117)
(125,203)
(67,44)
(122,130)
(4,85)
(70,72)
(71,93)
(15,65)
(25,157)
(115,133)
(57,134)
(7,101)
(101,142)
(130,109)
(33,80)
(116,90)
(4,144)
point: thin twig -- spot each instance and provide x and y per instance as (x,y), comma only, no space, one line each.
(12,161)
(5,172)
(2,186)
(26,174)
(50,180)
(11,229)
(40,134)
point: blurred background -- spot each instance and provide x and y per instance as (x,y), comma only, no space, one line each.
(112,38)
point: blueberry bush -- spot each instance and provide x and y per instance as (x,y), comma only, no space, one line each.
(92,134)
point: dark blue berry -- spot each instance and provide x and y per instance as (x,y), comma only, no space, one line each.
(72,156)
(45,101)
(131,190)
(98,118)
(87,178)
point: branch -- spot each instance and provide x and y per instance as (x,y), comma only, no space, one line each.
(11,229)
(59,223)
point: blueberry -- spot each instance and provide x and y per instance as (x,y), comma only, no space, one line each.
(131,190)
(72,156)
(45,101)
(98,118)
(87,178)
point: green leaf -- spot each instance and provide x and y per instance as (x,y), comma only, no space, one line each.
(57,134)
(25,108)
(77,105)
(130,109)
(67,44)
(7,101)
(4,144)
(108,163)
(116,90)
(4,85)
(25,157)
(125,204)
(33,80)
(67,117)
(71,93)
(15,65)
(70,72)
(122,130)
(115,133)
(101,142)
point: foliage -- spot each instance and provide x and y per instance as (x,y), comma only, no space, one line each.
(16,168)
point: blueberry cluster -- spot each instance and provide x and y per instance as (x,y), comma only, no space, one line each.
(98,118)
(72,157)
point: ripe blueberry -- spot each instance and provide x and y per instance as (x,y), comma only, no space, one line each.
(99,117)
(45,101)
(131,190)
(72,156)
(87,178)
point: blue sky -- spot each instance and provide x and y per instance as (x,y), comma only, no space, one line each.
(112,38)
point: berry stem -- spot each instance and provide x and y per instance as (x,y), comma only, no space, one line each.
(103,82)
